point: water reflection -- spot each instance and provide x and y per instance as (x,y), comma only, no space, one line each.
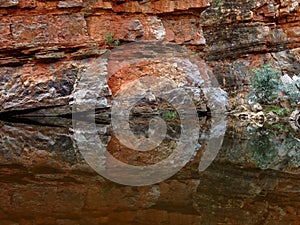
(273,146)
(253,179)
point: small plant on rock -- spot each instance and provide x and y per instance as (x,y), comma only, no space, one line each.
(169,115)
(109,40)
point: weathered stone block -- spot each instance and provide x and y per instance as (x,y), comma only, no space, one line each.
(293,34)
(130,62)
(184,30)
(49,29)
(27,4)
(37,85)
(157,7)
(70,3)
(5,35)
(125,28)
(128,28)
(8,3)
(99,4)
(33,30)
(154,29)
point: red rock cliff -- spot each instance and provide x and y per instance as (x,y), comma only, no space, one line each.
(44,45)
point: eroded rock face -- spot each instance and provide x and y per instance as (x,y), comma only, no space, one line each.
(37,51)
(170,61)
(241,36)
(255,26)
(35,86)
(41,56)
(58,84)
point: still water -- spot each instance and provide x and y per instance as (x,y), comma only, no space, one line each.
(239,174)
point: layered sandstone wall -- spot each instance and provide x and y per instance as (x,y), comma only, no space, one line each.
(243,35)
(44,45)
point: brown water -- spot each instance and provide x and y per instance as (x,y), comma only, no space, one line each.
(252,177)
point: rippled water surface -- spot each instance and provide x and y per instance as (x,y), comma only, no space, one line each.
(239,174)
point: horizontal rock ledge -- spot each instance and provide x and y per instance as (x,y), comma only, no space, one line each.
(52,89)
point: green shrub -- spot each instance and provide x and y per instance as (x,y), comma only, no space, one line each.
(109,39)
(280,111)
(266,84)
(272,144)
(261,149)
(169,115)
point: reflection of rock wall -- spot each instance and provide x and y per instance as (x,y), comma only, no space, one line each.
(44,180)
(274,146)
(39,40)
(222,194)
(37,146)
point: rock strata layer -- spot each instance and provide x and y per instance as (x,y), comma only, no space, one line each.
(45,45)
